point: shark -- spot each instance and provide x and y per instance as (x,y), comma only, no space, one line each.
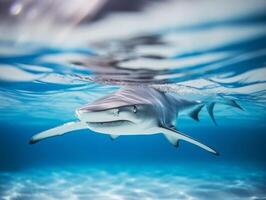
(137,110)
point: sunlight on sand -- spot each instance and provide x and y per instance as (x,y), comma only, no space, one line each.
(146,184)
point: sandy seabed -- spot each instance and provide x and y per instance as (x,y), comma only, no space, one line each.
(123,183)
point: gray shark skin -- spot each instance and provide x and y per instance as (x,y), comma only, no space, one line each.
(135,110)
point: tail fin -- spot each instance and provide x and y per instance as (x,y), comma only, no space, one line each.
(231,102)
(174,136)
(194,114)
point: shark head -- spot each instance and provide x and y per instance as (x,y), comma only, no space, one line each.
(123,113)
(115,119)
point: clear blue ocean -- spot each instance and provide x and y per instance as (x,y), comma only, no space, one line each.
(50,65)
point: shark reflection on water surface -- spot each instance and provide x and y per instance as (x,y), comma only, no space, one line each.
(137,110)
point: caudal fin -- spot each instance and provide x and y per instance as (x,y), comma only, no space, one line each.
(57,131)
(231,102)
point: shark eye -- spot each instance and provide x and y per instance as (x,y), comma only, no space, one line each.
(135,109)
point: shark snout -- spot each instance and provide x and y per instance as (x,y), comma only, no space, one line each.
(98,116)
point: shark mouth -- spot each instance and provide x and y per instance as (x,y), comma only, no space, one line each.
(109,123)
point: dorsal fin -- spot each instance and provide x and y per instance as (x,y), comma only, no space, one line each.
(210,108)
(194,114)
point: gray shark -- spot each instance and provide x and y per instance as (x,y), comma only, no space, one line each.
(138,110)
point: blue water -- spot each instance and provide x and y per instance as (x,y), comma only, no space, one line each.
(42,83)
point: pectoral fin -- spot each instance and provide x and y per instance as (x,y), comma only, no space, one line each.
(114,136)
(172,139)
(57,131)
(174,136)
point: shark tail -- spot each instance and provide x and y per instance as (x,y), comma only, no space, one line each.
(194,114)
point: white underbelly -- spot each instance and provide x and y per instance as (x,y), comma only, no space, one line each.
(119,128)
